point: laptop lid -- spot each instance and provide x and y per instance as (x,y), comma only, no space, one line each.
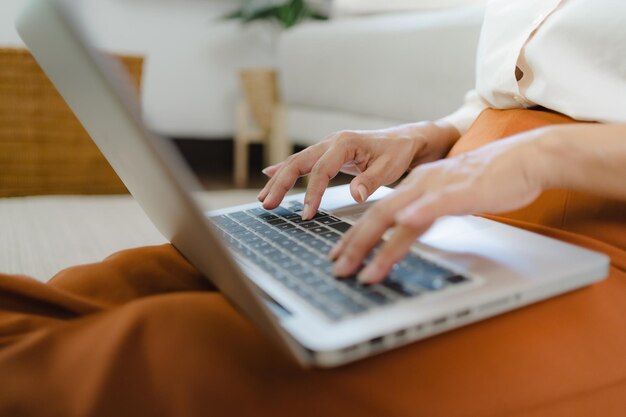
(100,93)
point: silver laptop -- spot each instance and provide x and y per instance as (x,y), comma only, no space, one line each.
(272,265)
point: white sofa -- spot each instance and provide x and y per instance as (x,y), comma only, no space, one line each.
(376,71)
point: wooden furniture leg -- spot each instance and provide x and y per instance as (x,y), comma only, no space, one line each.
(241,141)
(278,146)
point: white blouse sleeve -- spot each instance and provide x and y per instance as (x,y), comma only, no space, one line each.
(465,116)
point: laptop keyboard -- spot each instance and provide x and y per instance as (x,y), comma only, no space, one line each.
(295,252)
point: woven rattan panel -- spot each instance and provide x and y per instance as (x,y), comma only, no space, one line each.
(43,147)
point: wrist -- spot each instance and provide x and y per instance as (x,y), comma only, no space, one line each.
(545,164)
(432,140)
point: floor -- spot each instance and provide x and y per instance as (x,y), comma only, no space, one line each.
(44,234)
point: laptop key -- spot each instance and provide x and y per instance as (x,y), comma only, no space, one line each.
(269,251)
(319,214)
(285,243)
(289,264)
(256,211)
(397,287)
(456,279)
(327,220)
(239,215)
(249,220)
(297,250)
(320,261)
(259,245)
(309,225)
(281,211)
(268,217)
(332,236)
(375,297)
(296,233)
(258,226)
(339,297)
(354,307)
(292,216)
(314,241)
(295,206)
(308,257)
(432,280)
(323,287)
(280,258)
(341,226)
(319,230)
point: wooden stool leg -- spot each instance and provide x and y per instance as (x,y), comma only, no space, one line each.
(240,154)
(278,146)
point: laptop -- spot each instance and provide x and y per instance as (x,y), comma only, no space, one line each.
(270,264)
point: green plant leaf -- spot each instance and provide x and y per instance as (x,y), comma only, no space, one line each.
(288,14)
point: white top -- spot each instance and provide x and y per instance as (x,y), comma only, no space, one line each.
(565,55)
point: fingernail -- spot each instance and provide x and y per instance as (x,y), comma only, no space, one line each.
(362,192)
(265,171)
(306,212)
(341,268)
(369,274)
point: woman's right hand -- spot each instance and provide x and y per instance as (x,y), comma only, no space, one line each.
(374,157)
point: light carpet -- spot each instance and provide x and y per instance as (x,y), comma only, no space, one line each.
(40,236)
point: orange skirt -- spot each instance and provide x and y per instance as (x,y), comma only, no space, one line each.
(143,334)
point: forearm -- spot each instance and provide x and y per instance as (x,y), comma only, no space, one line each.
(588,158)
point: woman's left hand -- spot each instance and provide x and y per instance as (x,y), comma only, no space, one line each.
(500,177)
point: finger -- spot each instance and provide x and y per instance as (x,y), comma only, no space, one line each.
(367,182)
(325,169)
(336,250)
(287,175)
(265,191)
(360,240)
(271,170)
(280,185)
(391,252)
(268,186)
(367,232)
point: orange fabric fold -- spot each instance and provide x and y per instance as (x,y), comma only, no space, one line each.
(143,334)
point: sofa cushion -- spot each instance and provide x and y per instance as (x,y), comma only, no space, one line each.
(396,67)
(353,7)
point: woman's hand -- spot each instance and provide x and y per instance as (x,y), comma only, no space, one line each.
(376,158)
(500,177)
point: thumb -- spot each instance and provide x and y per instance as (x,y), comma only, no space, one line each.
(367,182)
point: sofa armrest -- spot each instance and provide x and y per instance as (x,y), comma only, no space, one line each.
(415,66)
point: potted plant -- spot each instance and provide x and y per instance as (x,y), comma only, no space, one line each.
(260,85)
(279,15)
(286,13)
